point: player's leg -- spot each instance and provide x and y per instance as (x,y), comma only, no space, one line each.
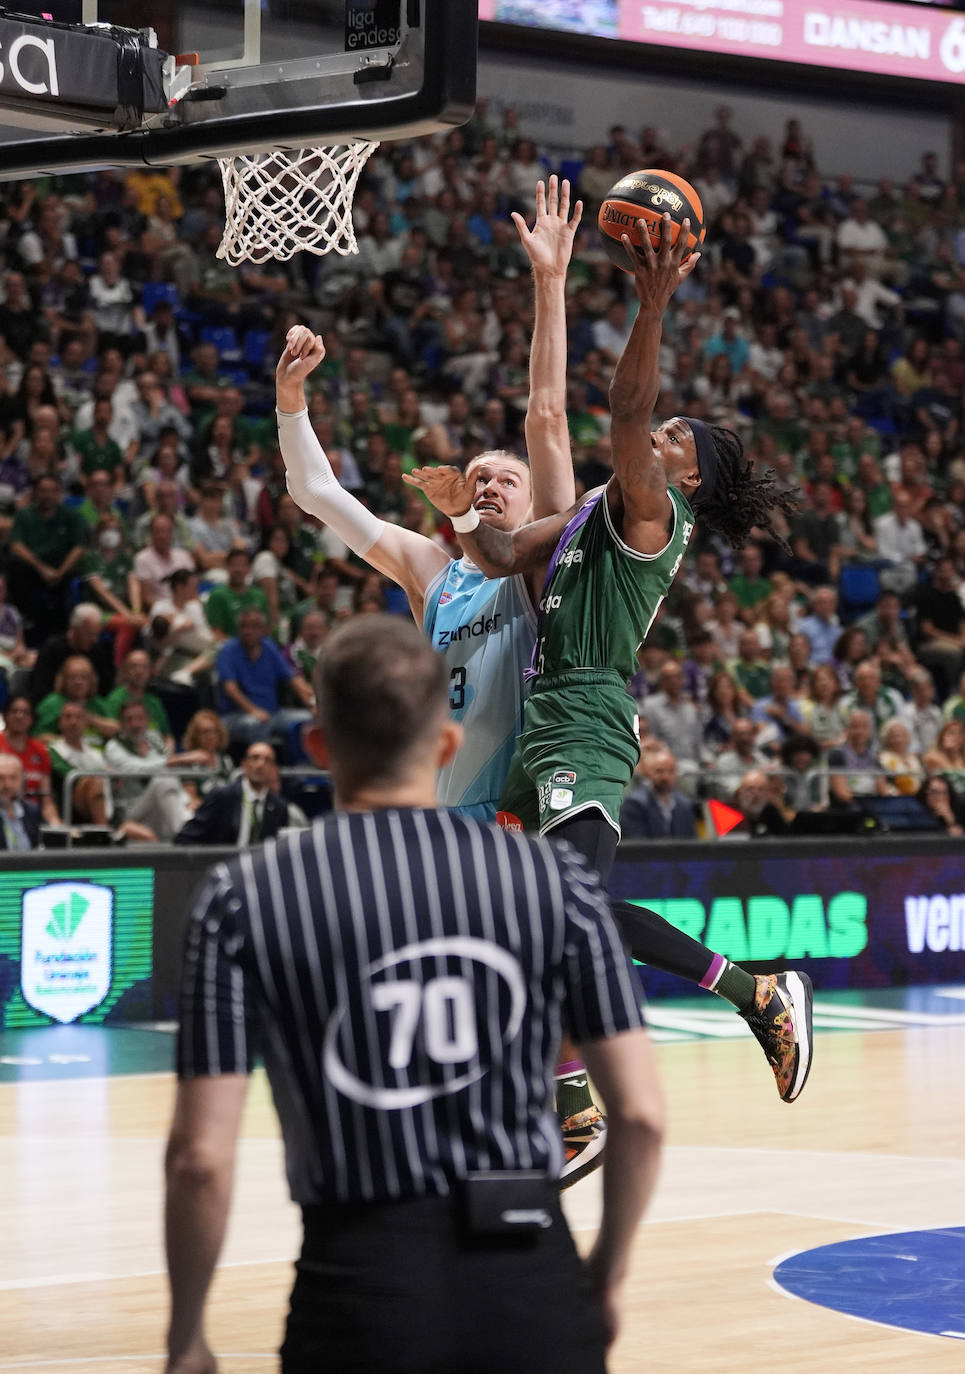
(776,1006)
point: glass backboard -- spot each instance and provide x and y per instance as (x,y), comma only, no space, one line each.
(267,74)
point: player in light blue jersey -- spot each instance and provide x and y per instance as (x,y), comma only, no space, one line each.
(484,629)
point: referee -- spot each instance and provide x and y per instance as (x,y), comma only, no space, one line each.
(407,974)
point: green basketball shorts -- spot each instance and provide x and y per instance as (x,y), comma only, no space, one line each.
(577,751)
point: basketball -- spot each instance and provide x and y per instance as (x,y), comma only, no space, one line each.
(648,195)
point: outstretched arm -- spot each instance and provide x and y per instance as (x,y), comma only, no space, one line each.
(637,473)
(549,246)
(410,559)
(500,553)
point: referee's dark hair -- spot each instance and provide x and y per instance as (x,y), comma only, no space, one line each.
(381,693)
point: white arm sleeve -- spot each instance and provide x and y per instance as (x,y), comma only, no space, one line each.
(314,487)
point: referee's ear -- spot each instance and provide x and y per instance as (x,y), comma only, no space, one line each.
(315,744)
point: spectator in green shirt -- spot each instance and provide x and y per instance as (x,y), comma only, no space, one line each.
(76,681)
(135,674)
(95,448)
(47,541)
(99,502)
(748,586)
(225,603)
(753,677)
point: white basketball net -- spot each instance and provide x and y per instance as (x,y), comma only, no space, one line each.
(281,203)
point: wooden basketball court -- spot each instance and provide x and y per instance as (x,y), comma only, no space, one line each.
(874,1146)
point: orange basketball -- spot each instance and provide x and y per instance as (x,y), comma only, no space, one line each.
(647,196)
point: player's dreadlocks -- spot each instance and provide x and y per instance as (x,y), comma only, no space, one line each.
(742,499)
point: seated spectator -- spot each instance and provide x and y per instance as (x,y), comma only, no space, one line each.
(856,542)
(720,713)
(921,714)
(182,642)
(227,603)
(207,733)
(820,707)
(159,560)
(700,665)
(947,757)
(95,449)
(854,766)
(133,679)
(213,534)
(82,637)
(742,756)
(799,661)
(304,651)
(799,757)
(901,544)
(814,536)
(773,625)
(939,801)
(884,623)
(850,648)
(19,819)
(941,626)
(270,574)
(16,739)
(761,815)
(47,541)
(108,573)
(896,758)
(251,671)
(76,682)
(168,499)
(71,750)
(653,808)
(673,718)
(748,585)
(822,626)
(726,627)
(241,813)
(749,671)
(14,654)
(869,695)
(139,755)
(780,713)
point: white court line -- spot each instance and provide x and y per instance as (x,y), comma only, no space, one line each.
(61,1280)
(75,1361)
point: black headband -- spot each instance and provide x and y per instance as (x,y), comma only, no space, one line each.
(706,460)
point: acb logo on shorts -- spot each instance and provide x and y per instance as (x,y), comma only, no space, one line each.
(563,779)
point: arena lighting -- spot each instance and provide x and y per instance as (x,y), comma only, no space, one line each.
(913,40)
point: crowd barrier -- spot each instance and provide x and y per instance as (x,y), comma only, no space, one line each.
(98,936)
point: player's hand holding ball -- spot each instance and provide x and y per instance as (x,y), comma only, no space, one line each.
(638,206)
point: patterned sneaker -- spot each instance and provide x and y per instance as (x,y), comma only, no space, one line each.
(780,1017)
(584,1136)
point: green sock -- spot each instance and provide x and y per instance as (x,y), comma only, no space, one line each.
(737,986)
(572,1092)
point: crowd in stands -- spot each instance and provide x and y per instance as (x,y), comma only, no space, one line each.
(163,600)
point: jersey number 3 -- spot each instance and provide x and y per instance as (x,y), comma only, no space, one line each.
(457,689)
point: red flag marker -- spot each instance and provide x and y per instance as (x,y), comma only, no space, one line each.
(724,817)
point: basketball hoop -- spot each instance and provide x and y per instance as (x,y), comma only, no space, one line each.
(285,202)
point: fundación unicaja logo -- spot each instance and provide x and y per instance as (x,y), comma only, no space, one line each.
(66,942)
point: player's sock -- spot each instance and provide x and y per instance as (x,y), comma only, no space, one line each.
(731,982)
(655,941)
(572,1089)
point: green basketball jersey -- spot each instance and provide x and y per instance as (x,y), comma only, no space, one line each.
(602,596)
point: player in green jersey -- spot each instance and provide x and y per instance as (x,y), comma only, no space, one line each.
(609,563)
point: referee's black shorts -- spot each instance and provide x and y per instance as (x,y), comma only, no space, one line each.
(398,1288)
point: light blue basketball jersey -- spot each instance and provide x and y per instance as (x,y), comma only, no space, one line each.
(485,629)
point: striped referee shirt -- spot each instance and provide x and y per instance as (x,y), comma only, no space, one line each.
(407,976)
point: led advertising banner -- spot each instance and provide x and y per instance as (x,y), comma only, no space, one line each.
(915,40)
(865,921)
(75,945)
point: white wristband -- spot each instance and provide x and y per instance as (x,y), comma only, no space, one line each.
(466,522)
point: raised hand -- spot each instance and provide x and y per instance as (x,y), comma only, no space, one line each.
(446,487)
(549,243)
(304,350)
(658,272)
